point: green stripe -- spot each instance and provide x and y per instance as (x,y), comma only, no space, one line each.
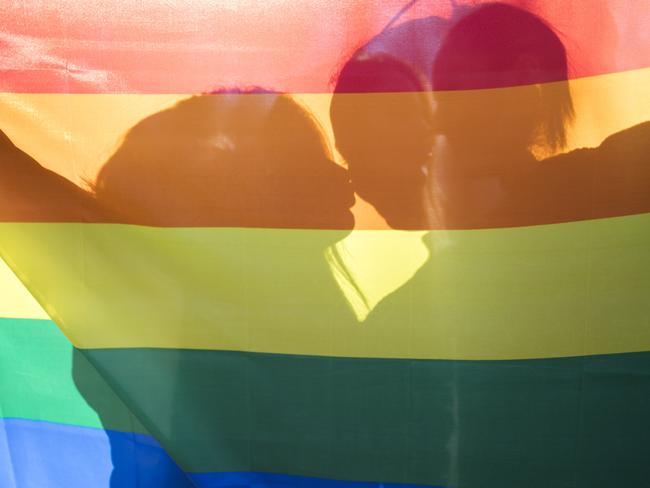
(534,423)
(43,378)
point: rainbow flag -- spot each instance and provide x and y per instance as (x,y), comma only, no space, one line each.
(325,244)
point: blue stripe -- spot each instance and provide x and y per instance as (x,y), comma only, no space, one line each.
(38,454)
(267,480)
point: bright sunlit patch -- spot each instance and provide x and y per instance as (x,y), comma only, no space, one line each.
(15,300)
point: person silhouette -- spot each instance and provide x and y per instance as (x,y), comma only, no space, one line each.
(511,173)
(493,166)
(251,174)
(239,159)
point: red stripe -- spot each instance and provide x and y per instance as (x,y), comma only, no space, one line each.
(123,46)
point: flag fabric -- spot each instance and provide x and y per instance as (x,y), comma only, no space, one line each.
(330,244)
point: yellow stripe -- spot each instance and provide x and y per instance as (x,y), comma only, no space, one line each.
(75,133)
(546,291)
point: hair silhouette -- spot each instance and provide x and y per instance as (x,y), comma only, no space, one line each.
(229,160)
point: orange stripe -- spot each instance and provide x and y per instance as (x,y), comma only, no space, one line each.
(189,166)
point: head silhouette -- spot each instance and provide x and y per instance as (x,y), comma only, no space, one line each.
(228,160)
(382,126)
(492,47)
